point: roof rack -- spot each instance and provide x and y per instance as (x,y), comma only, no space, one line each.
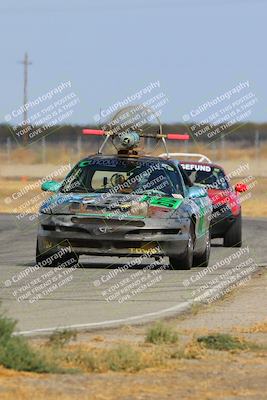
(201,157)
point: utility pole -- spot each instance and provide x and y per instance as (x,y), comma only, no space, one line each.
(222,147)
(26,63)
(257,144)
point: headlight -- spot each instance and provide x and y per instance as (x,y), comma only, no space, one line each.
(139,209)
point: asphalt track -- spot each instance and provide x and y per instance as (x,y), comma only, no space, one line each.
(79,299)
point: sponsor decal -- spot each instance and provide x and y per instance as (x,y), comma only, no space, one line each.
(168,202)
(196,167)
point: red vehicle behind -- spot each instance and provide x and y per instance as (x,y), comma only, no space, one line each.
(226,217)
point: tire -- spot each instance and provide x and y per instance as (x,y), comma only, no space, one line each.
(69,257)
(42,257)
(233,237)
(39,257)
(203,260)
(186,261)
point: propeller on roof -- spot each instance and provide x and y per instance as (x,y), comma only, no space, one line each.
(129,125)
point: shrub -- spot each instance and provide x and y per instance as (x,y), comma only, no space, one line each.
(61,338)
(220,341)
(7,327)
(160,333)
(15,352)
(85,360)
(123,358)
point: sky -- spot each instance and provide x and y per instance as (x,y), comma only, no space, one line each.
(110,49)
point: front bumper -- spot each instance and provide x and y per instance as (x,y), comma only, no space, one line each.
(113,237)
(222,219)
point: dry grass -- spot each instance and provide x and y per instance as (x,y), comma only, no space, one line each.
(158,350)
(130,368)
(119,365)
(254,204)
(260,327)
(138,370)
(15,199)
(230,152)
(55,154)
(64,153)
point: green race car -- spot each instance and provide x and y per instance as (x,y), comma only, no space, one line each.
(123,205)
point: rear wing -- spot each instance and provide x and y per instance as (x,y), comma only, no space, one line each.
(200,157)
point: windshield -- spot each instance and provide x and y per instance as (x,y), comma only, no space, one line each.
(123,176)
(207,175)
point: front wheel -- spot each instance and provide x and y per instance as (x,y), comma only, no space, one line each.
(186,261)
(233,237)
(203,260)
(40,257)
(47,260)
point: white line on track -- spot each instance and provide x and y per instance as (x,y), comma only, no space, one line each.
(181,307)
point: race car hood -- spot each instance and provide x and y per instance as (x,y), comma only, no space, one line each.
(112,205)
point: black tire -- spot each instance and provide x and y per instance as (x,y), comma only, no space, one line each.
(184,262)
(233,237)
(39,257)
(42,257)
(203,260)
(71,258)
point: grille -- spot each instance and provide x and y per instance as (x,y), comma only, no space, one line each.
(154,232)
(110,222)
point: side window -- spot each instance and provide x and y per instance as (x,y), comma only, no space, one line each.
(186,178)
(175,178)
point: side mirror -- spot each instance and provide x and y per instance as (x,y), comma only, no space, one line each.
(50,186)
(241,187)
(197,192)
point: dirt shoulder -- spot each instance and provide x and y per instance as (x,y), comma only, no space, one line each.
(183,370)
